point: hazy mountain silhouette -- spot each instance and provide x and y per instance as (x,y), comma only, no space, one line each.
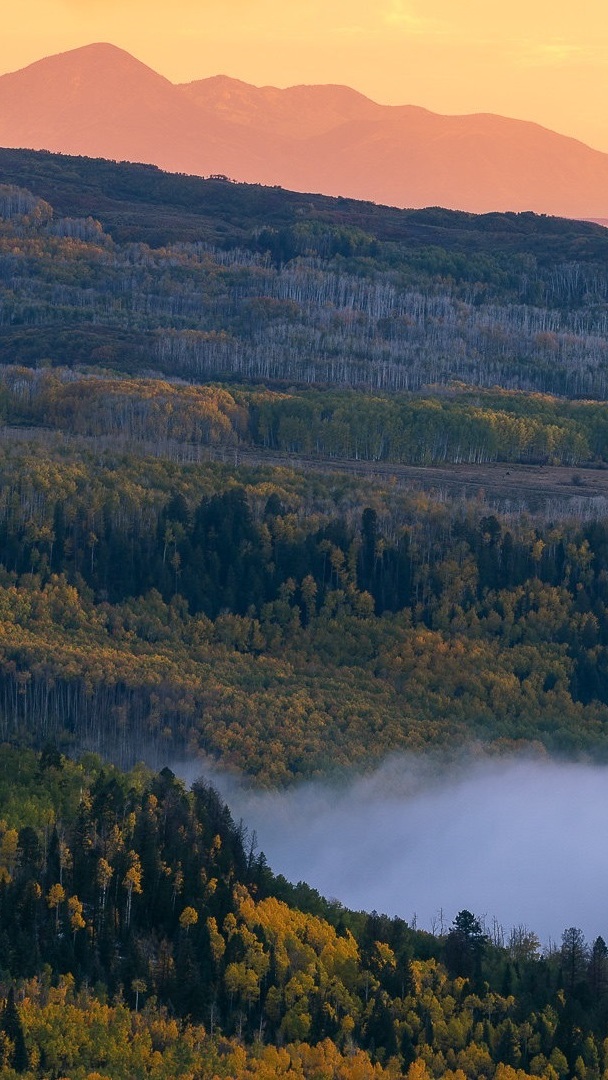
(100,101)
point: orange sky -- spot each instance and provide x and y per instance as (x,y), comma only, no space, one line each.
(543,60)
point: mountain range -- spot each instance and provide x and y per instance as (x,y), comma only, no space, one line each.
(100,101)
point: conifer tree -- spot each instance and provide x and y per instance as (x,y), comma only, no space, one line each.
(10,1024)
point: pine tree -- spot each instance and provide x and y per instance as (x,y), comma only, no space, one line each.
(10,1024)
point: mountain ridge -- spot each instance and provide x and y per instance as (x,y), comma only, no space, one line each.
(100,101)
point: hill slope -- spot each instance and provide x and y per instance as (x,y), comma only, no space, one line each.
(268,284)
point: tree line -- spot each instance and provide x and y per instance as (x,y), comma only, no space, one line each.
(458,425)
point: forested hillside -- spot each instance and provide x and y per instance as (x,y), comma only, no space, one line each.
(159,598)
(288,624)
(200,279)
(143,935)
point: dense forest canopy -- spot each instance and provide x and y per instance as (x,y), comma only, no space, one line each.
(289,623)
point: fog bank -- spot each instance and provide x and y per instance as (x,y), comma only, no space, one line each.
(519,841)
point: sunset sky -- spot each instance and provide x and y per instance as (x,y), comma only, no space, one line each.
(543,60)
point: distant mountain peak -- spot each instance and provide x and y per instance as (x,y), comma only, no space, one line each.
(94,53)
(98,48)
(98,62)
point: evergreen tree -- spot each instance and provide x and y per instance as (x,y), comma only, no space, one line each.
(10,1024)
(465,945)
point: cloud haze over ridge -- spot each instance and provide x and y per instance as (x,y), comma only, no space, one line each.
(519,841)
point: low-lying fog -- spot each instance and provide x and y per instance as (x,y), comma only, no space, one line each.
(520,842)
